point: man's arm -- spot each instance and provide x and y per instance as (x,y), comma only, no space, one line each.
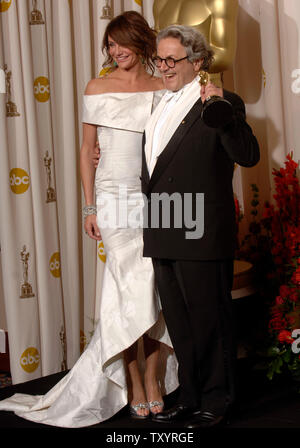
(237,137)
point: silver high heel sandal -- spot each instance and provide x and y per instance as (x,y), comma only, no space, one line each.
(152,404)
(133,409)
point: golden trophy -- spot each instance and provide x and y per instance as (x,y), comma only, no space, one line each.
(26,288)
(11,108)
(216,111)
(51,196)
(216,20)
(107,11)
(36,17)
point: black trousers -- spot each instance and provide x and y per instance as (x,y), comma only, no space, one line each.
(197,306)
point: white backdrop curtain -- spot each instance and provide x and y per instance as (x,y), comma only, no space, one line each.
(267,76)
(49,50)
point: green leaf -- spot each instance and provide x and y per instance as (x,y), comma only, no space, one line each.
(278,365)
(273,351)
(287,356)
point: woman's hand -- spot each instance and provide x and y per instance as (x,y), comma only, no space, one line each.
(96,155)
(91,228)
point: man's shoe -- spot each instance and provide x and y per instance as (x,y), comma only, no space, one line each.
(207,419)
(177,412)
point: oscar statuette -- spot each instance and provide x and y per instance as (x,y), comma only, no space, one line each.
(36,17)
(217,111)
(26,288)
(107,11)
(51,195)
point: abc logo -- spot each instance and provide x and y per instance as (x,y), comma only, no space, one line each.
(101,252)
(19,180)
(296,343)
(4,5)
(54,265)
(30,360)
(105,71)
(41,88)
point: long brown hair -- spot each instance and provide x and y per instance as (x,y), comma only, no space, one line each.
(132,31)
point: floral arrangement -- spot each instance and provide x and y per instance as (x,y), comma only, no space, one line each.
(273,246)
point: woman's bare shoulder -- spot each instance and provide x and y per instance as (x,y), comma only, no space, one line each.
(113,83)
(98,85)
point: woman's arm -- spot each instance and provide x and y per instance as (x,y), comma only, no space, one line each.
(87,169)
(87,172)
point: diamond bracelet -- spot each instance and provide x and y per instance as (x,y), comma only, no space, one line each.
(89,210)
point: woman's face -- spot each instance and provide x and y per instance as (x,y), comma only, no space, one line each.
(124,57)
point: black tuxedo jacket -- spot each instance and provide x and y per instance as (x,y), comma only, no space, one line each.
(197,159)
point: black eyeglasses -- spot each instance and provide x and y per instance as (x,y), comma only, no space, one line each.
(170,62)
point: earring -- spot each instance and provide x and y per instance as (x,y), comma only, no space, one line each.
(115,64)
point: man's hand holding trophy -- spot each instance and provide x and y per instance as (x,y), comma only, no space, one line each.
(217,111)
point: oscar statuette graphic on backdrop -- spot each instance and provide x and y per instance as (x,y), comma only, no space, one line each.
(26,288)
(36,17)
(107,12)
(51,196)
(11,108)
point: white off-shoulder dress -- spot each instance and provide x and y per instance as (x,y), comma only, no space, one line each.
(95,388)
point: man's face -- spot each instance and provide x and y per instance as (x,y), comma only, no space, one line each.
(183,72)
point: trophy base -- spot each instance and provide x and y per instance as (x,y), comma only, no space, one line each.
(26,291)
(11,109)
(106,13)
(36,18)
(217,112)
(51,196)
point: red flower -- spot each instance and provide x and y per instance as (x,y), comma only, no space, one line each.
(279,300)
(285,336)
(297,274)
(284,291)
(294,296)
(277,323)
(274,245)
(296,278)
(291,320)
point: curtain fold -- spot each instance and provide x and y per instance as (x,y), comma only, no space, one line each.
(65,143)
(267,53)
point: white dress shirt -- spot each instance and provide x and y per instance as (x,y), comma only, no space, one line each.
(171,99)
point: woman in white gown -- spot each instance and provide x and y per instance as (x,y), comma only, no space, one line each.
(108,374)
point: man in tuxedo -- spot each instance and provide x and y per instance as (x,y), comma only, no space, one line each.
(186,161)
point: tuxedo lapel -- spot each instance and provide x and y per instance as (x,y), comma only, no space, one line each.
(172,147)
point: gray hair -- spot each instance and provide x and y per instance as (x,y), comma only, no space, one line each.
(194,42)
